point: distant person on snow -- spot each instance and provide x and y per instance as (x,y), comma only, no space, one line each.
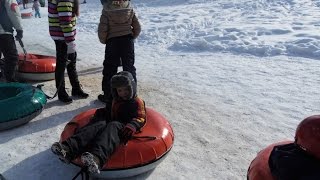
(62,16)
(24,3)
(36,8)
(10,18)
(109,127)
(118,28)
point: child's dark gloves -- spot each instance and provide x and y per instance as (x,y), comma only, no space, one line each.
(127,132)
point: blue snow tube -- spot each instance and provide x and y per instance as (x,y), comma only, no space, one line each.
(19,104)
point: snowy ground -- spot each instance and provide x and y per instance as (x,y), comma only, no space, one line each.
(231,77)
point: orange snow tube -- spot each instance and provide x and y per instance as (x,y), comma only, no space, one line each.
(36,67)
(140,155)
(259,167)
(26,13)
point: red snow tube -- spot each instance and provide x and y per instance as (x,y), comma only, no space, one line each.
(25,15)
(36,67)
(139,155)
(259,167)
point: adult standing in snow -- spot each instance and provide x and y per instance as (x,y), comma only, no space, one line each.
(118,28)
(10,18)
(62,26)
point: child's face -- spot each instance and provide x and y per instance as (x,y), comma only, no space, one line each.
(124,92)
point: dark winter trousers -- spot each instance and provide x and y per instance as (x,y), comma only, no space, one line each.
(98,138)
(10,53)
(65,60)
(118,50)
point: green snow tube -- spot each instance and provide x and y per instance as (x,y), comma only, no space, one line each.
(19,103)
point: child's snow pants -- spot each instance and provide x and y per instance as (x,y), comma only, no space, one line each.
(98,138)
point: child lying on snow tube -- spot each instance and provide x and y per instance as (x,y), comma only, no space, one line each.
(109,127)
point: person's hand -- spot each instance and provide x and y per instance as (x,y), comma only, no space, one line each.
(19,34)
(127,132)
(71,47)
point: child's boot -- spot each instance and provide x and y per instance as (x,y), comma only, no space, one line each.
(62,151)
(91,161)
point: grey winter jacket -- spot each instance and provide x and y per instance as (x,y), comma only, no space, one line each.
(14,15)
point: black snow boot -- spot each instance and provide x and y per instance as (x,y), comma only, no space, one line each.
(105,98)
(63,96)
(73,77)
(78,92)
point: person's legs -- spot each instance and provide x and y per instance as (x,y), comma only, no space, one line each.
(73,77)
(77,143)
(106,142)
(61,60)
(128,56)
(10,53)
(25,4)
(102,147)
(37,13)
(110,67)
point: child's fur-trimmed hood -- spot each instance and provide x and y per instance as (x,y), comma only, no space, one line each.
(123,79)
